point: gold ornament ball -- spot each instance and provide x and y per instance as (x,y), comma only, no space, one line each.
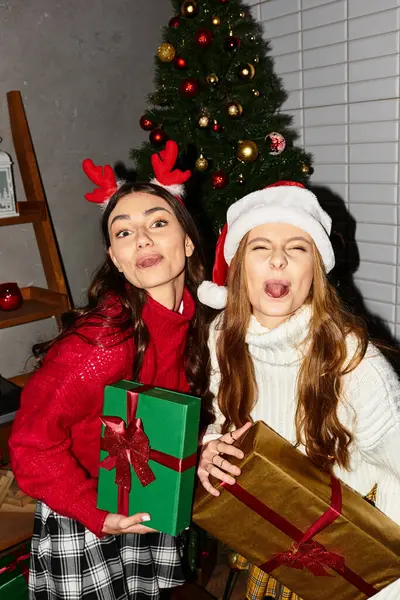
(256,93)
(216,21)
(166,52)
(201,163)
(305,168)
(235,110)
(256,59)
(242,14)
(247,151)
(189,9)
(204,121)
(212,79)
(246,71)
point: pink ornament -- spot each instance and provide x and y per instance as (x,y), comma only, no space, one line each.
(277,143)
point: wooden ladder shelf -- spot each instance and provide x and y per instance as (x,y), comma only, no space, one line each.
(39,303)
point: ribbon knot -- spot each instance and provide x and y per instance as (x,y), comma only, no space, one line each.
(312,556)
(18,562)
(126,446)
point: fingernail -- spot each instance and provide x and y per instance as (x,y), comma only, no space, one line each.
(241,455)
(146,518)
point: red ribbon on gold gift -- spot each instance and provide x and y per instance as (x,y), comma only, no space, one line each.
(128,445)
(305,553)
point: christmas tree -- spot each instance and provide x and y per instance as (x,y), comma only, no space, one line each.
(218,97)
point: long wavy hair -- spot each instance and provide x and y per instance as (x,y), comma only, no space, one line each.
(110,329)
(326,361)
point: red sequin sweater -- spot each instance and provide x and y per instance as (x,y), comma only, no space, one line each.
(55,440)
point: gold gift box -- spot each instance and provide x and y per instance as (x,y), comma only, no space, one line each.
(360,551)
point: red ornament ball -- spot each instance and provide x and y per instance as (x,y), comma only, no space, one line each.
(232,43)
(224,1)
(204,38)
(180,63)
(174,22)
(217,127)
(146,123)
(189,87)
(219,179)
(158,137)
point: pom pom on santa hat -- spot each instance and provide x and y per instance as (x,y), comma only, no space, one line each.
(282,202)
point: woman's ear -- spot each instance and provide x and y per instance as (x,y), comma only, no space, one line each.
(189,246)
(116,263)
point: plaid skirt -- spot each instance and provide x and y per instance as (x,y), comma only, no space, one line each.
(69,562)
(259,584)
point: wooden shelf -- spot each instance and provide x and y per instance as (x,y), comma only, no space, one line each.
(39,303)
(29,212)
(20,380)
(15,527)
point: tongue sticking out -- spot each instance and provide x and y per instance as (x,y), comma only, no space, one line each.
(149,261)
(276,290)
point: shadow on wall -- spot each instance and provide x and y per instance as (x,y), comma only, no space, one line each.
(347,263)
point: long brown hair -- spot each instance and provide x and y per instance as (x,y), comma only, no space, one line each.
(326,360)
(107,329)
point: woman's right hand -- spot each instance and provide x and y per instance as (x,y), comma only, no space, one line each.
(116,524)
(212,463)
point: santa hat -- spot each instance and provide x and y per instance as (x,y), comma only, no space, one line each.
(163,166)
(282,202)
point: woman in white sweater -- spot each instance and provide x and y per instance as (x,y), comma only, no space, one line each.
(285,351)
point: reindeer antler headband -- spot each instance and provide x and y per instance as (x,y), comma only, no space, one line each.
(163,166)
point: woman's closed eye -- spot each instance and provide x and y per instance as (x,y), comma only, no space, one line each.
(260,247)
(301,248)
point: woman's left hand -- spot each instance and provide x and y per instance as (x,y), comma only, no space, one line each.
(212,463)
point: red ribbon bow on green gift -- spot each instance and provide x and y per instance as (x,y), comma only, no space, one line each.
(126,445)
(312,556)
(18,562)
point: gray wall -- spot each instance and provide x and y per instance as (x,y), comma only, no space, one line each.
(84,70)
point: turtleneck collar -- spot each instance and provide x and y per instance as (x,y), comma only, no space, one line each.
(164,323)
(283,344)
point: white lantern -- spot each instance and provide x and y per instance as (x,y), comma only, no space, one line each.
(8,206)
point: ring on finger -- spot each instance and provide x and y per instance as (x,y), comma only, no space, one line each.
(212,460)
(216,447)
(232,438)
(222,462)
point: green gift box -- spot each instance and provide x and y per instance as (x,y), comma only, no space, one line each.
(148,454)
(14,569)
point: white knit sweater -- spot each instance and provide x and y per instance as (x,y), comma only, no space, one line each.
(370,408)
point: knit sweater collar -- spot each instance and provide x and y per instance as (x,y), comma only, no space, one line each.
(167,325)
(283,345)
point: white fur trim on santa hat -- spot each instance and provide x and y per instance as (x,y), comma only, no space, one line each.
(284,204)
(212,295)
(176,189)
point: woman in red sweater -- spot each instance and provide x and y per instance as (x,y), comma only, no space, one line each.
(142,322)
